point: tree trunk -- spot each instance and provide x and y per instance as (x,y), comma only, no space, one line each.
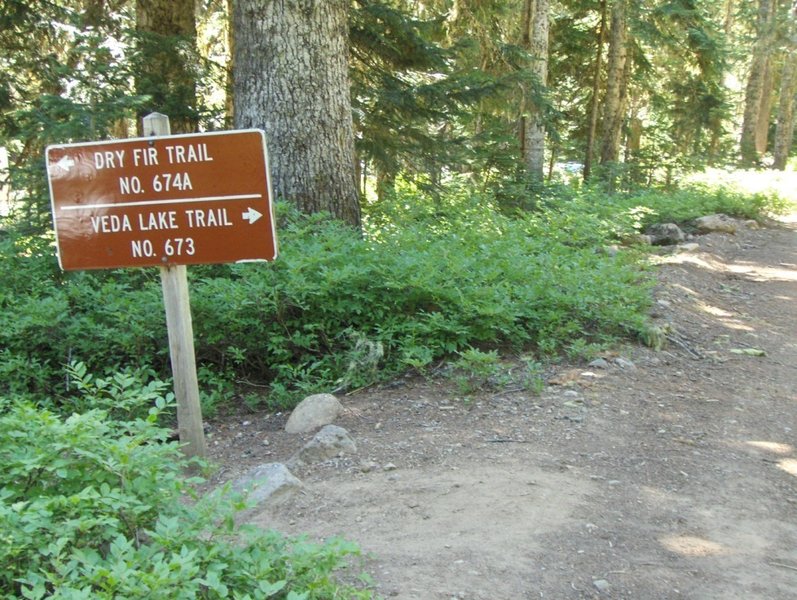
(614,103)
(754,93)
(784,128)
(634,136)
(229,105)
(535,40)
(762,127)
(167,43)
(730,11)
(291,79)
(595,101)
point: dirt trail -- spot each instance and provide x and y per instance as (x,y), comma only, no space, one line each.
(674,477)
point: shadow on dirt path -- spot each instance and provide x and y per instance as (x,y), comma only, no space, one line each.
(673,475)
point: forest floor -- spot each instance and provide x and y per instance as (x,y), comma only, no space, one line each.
(671,477)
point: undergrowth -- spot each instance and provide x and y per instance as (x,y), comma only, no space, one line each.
(95,505)
(430,278)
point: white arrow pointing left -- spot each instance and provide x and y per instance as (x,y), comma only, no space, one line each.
(251,215)
(65,163)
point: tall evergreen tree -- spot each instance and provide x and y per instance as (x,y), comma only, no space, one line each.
(616,85)
(594,105)
(291,79)
(167,68)
(756,91)
(535,41)
(63,77)
(784,128)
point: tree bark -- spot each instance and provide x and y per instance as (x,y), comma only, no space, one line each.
(784,127)
(595,101)
(167,45)
(291,79)
(229,104)
(535,40)
(614,103)
(754,93)
(762,127)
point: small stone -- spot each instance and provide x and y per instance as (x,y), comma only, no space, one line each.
(331,441)
(389,467)
(265,442)
(624,363)
(691,247)
(599,363)
(367,467)
(602,586)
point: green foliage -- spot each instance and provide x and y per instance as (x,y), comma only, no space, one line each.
(123,395)
(49,319)
(97,507)
(476,370)
(68,72)
(337,311)
(64,77)
(433,277)
(409,100)
(682,205)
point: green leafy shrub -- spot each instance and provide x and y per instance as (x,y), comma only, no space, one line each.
(93,507)
(698,199)
(429,278)
(335,306)
(338,310)
(476,370)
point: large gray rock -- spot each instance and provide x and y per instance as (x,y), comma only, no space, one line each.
(719,222)
(665,234)
(313,412)
(328,443)
(267,482)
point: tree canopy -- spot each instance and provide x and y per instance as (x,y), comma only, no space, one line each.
(504,92)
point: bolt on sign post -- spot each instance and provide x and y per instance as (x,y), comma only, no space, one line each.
(166,201)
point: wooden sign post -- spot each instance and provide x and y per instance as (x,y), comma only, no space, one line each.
(168,201)
(177,303)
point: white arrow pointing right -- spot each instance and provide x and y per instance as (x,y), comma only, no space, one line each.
(251,215)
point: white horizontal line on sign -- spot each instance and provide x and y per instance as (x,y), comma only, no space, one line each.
(160,202)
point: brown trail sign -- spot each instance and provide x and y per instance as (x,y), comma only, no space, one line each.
(166,201)
(176,200)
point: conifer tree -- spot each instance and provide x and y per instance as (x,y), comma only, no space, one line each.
(535,41)
(756,95)
(784,129)
(614,103)
(291,79)
(167,60)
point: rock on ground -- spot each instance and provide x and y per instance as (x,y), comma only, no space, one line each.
(267,482)
(327,443)
(665,234)
(313,412)
(716,223)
